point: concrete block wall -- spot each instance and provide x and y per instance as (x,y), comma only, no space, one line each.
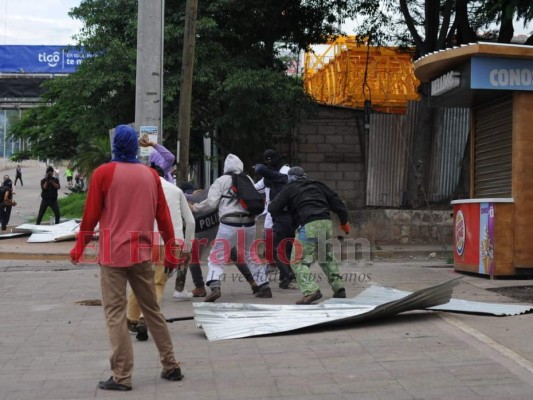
(328,148)
(408,227)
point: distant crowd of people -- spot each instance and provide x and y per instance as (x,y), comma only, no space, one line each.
(129,201)
(49,186)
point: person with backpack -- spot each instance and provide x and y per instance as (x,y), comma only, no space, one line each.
(238,202)
(6,201)
(309,203)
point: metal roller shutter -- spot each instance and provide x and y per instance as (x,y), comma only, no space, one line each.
(493,152)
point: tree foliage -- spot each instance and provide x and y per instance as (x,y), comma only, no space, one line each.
(435,25)
(240,89)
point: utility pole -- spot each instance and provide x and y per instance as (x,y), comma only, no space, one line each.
(187,66)
(149,77)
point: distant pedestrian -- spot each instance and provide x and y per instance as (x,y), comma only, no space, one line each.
(18,175)
(49,187)
(124,198)
(310,203)
(6,201)
(69,174)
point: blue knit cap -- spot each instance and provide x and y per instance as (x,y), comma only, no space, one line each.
(125,144)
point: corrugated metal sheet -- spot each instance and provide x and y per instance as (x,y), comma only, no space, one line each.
(493,152)
(390,145)
(375,295)
(387,147)
(451,127)
(231,320)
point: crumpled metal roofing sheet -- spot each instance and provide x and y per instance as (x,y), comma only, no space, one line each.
(374,295)
(230,321)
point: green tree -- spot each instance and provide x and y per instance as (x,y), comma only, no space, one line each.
(240,89)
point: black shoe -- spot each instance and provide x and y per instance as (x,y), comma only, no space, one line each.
(255,288)
(308,299)
(264,292)
(340,294)
(110,384)
(174,375)
(214,295)
(132,326)
(142,332)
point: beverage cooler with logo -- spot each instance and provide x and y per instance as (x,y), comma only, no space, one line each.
(483,236)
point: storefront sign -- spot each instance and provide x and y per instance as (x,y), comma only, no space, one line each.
(445,83)
(501,73)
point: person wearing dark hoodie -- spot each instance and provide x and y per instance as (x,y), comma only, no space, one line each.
(49,187)
(273,178)
(125,197)
(309,203)
(236,228)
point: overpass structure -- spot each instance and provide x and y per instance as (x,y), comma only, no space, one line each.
(23,68)
(347,73)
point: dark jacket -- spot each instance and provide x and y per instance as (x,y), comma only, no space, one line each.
(308,201)
(50,192)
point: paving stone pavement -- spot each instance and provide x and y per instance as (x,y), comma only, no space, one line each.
(54,348)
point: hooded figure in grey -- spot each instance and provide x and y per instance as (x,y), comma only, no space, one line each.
(233,218)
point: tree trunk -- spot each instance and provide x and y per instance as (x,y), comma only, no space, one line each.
(420,157)
(506,23)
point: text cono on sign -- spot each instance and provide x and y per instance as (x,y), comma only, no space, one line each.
(511,77)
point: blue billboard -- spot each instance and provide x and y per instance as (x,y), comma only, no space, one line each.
(40,59)
(501,73)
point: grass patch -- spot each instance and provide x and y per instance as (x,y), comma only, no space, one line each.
(70,207)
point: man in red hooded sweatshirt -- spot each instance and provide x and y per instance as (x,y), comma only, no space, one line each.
(125,197)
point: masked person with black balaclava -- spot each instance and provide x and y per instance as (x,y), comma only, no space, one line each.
(273,178)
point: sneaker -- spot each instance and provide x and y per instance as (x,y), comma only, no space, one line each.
(199,292)
(255,288)
(308,299)
(142,332)
(132,326)
(264,292)
(182,296)
(110,384)
(340,294)
(174,375)
(214,295)
(284,284)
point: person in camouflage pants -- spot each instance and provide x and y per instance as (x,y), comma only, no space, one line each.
(309,203)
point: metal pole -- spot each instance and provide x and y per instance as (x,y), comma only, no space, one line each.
(187,66)
(5,135)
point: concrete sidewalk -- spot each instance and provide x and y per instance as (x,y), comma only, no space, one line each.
(52,347)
